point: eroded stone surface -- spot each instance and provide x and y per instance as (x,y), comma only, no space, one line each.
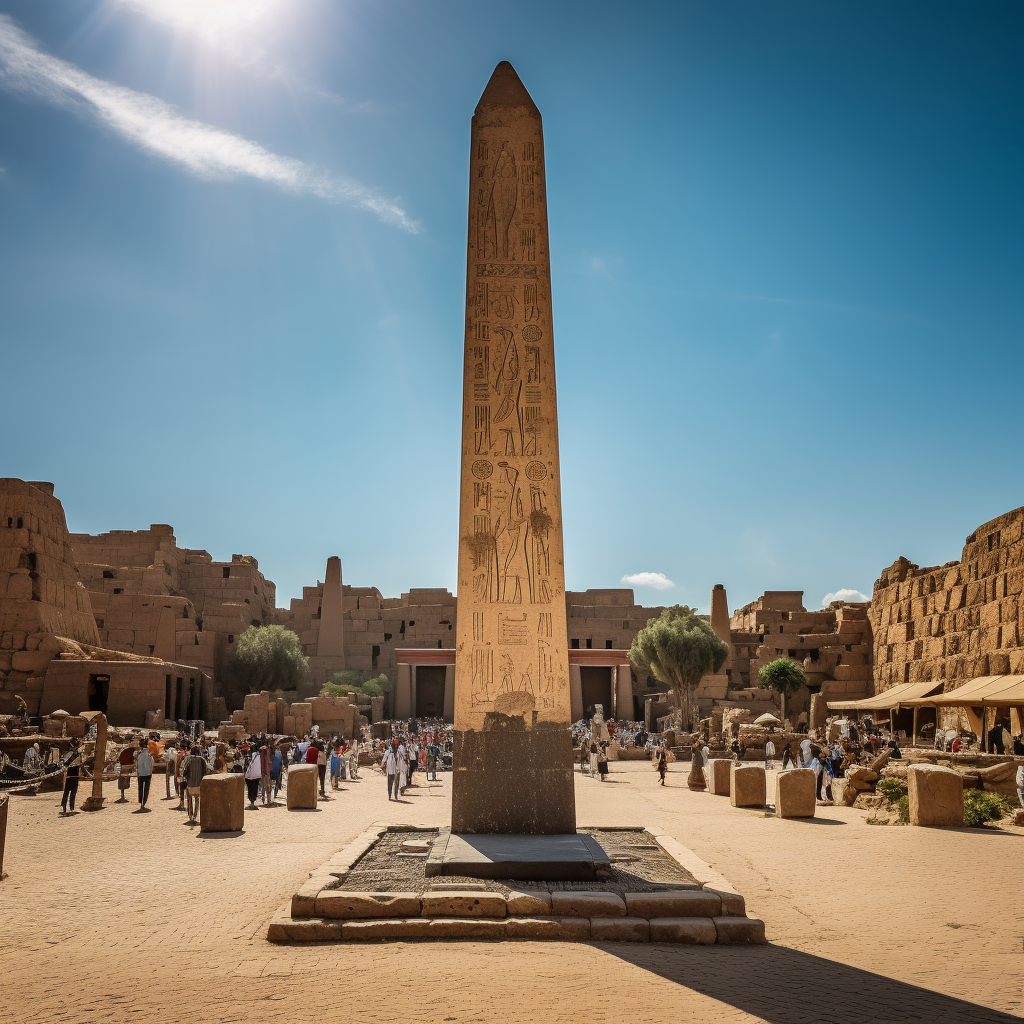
(794,793)
(936,795)
(697,930)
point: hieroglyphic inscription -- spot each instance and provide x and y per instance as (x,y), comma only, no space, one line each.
(510,567)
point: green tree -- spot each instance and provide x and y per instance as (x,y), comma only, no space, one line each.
(678,648)
(268,658)
(349,681)
(783,676)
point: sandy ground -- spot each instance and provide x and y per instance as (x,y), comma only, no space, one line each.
(121,916)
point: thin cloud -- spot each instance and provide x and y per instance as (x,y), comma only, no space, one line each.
(845,594)
(657,580)
(158,128)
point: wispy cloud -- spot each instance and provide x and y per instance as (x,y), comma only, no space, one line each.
(157,127)
(845,594)
(657,580)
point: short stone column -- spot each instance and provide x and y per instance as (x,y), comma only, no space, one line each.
(95,801)
(4,804)
(794,793)
(303,782)
(748,786)
(717,772)
(222,802)
(936,795)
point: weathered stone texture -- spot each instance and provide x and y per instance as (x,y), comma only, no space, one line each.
(936,795)
(955,621)
(222,803)
(794,793)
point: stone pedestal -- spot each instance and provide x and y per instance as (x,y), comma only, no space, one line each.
(303,784)
(717,771)
(748,786)
(695,780)
(936,795)
(222,803)
(95,801)
(794,793)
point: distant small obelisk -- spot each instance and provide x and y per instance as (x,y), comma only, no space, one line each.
(513,745)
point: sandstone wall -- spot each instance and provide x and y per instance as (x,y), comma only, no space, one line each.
(44,608)
(956,621)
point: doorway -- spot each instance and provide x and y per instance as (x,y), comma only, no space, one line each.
(596,684)
(99,690)
(430,691)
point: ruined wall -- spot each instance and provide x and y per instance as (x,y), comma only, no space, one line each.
(956,621)
(44,609)
(152,598)
(833,646)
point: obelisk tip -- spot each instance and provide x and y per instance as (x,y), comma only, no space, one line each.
(506,89)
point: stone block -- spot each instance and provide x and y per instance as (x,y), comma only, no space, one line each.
(463,904)
(222,803)
(737,931)
(531,903)
(717,773)
(936,795)
(733,904)
(287,929)
(535,928)
(466,928)
(674,903)
(575,929)
(794,793)
(619,929)
(748,787)
(587,904)
(699,931)
(333,903)
(393,928)
(303,783)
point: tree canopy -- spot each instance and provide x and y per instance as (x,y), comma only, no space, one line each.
(269,658)
(678,648)
(783,676)
(342,683)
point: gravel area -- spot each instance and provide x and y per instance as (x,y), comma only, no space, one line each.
(639,864)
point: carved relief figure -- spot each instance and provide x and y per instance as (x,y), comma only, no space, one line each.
(501,206)
(511,535)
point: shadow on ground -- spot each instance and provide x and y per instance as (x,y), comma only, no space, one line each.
(785,986)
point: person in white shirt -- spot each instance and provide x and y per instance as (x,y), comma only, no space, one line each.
(144,773)
(253,774)
(769,754)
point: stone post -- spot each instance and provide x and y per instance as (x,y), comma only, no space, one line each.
(4,803)
(95,802)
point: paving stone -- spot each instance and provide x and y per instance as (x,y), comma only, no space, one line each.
(734,931)
(536,928)
(532,902)
(463,904)
(680,903)
(619,929)
(700,931)
(336,903)
(587,904)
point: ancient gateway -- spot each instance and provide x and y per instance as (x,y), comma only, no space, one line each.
(513,750)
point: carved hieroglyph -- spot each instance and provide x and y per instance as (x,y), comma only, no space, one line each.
(511,646)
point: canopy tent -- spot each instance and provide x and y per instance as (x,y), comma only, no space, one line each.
(888,700)
(979,694)
(982,692)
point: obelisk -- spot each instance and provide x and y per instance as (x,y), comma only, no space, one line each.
(513,746)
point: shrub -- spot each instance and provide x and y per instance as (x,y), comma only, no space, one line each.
(981,808)
(891,789)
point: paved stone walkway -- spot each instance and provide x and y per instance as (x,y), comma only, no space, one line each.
(119,916)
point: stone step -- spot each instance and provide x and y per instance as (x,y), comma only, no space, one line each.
(692,930)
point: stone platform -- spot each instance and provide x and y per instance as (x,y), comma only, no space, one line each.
(379,888)
(576,857)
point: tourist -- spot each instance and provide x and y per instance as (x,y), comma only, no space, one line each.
(125,764)
(321,764)
(602,762)
(787,756)
(584,755)
(31,758)
(413,758)
(336,766)
(661,763)
(995,739)
(253,774)
(73,766)
(593,756)
(170,756)
(265,759)
(144,775)
(403,768)
(353,759)
(769,754)
(805,753)
(276,767)
(1020,784)
(193,768)
(179,778)
(818,768)
(828,774)
(433,753)
(390,768)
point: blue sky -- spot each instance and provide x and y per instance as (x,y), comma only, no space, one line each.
(786,257)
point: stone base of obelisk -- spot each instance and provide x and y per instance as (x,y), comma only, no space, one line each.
(513,781)
(565,858)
